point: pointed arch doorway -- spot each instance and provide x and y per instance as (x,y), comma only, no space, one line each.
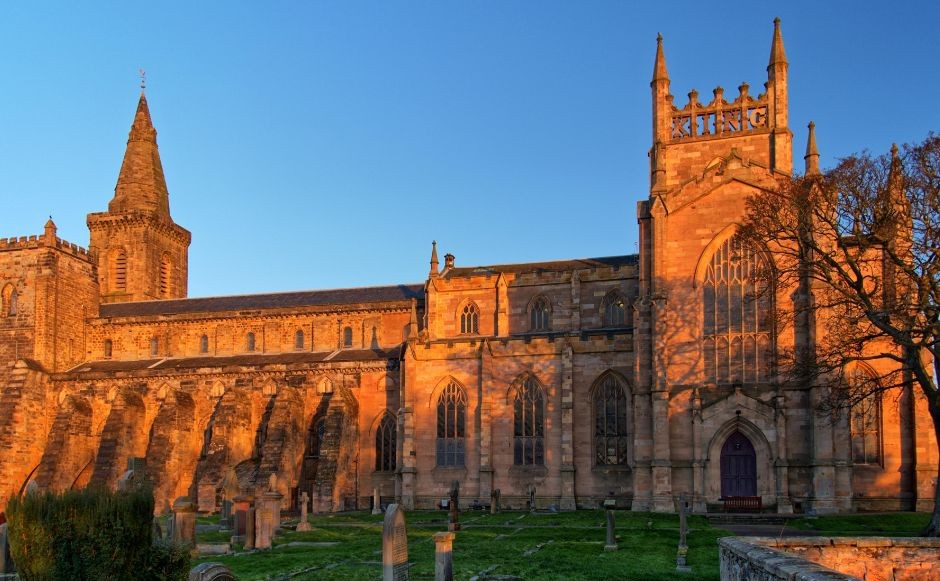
(738,467)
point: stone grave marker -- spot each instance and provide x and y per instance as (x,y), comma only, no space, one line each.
(304,524)
(444,556)
(184,521)
(264,526)
(6,561)
(211,572)
(453,505)
(681,553)
(494,501)
(241,506)
(531,491)
(376,502)
(394,545)
(225,517)
(611,544)
(250,528)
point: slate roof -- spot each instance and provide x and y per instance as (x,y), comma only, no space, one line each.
(551,266)
(240,360)
(373,294)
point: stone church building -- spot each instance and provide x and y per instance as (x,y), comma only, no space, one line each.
(636,377)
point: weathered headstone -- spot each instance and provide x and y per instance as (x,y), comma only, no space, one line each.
(264,525)
(682,552)
(454,506)
(6,561)
(135,475)
(250,528)
(443,556)
(211,572)
(241,505)
(225,517)
(531,491)
(611,544)
(494,501)
(376,502)
(271,500)
(184,521)
(394,545)
(304,524)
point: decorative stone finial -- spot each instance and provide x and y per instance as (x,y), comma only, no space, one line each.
(434,263)
(812,153)
(659,65)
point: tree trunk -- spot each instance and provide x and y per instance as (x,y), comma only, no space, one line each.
(933,527)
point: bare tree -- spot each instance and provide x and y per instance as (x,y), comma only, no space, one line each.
(859,247)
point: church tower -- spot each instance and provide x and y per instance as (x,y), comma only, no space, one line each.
(142,254)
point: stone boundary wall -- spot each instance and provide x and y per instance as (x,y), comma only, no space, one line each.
(829,559)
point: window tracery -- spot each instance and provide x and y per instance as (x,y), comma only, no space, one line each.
(529,424)
(451,425)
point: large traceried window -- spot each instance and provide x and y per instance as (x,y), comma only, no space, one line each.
(451,426)
(611,423)
(540,315)
(528,424)
(865,419)
(385,442)
(738,309)
(470,320)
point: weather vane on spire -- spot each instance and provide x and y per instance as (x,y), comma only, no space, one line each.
(143,78)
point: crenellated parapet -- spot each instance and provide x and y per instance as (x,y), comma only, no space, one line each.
(39,241)
(719,118)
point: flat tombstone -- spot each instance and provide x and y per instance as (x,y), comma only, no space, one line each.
(264,527)
(6,561)
(211,572)
(394,545)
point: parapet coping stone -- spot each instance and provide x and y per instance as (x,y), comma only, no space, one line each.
(767,551)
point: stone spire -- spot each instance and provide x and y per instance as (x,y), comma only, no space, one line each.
(141,185)
(49,232)
(434,263)
(777,54)
(812,154)
(659,66)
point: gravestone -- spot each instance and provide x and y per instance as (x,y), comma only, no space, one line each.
(376,502)
(454,505)
(304,524)
(271,503)
(211,572)
(264,526)
(494,501)
(225,518)
(6,561)
(611,544)
(250,528)
(531,491)
(394,545)
(443,556)
(32,488)
(241,505)
(682,552)
(184,521)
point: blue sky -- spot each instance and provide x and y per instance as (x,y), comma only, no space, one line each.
(325,144)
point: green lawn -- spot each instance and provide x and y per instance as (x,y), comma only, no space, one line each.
(542,546)
(527,546)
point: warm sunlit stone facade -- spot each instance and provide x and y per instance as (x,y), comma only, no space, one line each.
(637,377)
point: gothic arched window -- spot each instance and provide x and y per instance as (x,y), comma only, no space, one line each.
(107,348)
(8,297)
(299,339)
(451,425)
(611,423)
(529,424)
(166,276)
(470,320)
(738,311)
(614,308)
(347,337)
(865,418)
(250,342)
(204,344)
(385,444)
(540,315)
(315,438)
(154,346)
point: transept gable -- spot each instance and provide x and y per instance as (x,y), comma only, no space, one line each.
(718,174)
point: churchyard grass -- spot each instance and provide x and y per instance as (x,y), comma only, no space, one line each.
(900,524)
(527,546)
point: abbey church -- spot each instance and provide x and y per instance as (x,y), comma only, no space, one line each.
(634,378)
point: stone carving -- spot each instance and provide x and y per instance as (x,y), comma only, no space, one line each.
(304,524)
(394,545)
(720,117)
(211,572)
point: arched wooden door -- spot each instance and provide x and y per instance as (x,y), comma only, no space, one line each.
(738,467)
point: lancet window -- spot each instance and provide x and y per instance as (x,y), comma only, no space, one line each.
(385,444)
(614,308)
(611,423)
(451,426)
(738,315)
(470,320)
(540,315)
(528,424)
